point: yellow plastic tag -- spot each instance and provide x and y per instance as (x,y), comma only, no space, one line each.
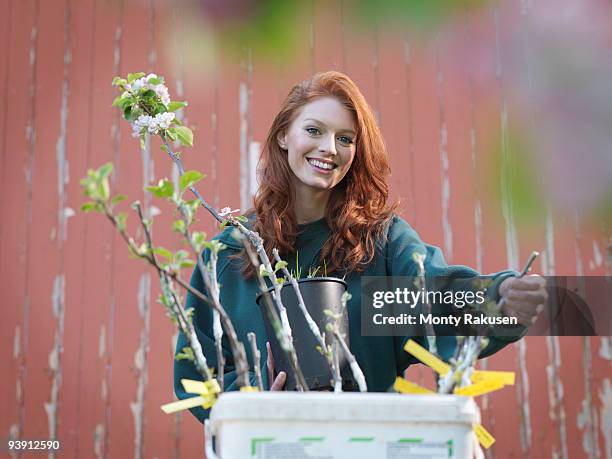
(199,387)
(480,388)
(181,405)
(407,387)
(484,437)
(208,395)
(426,357)
(505,377)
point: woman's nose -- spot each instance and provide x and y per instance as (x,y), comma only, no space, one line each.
(328,145)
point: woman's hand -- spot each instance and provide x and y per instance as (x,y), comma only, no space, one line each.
(523,297)
(279,382)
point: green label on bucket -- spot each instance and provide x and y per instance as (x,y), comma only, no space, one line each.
(256,441)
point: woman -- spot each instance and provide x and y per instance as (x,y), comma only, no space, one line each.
(323,199)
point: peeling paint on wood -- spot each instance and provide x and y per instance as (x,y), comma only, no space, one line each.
(548,255)
(605,348)
(556,394)
(597,258)
(55,368)
(214,147)
(245,131)
(522,393)
(474,157)
(512,247)
(99,441)
(444,164)
(29,172)
(140,365)
(13,435)
(17,342)
(587,417)
(254,152)
(244,173)
(60,147)
(409,113)
(605,395)
(102,342)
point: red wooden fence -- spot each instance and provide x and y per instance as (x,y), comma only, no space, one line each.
(85,350)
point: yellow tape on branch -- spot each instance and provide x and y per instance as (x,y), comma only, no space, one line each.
(483,387)
(207,396)
(407,387)
(484,437)
(505,377)
(426,357)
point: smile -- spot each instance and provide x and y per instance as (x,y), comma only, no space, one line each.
(320,165)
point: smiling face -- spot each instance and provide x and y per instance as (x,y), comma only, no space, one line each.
(320,144)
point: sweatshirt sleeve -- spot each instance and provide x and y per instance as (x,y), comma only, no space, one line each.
(202,322)
(402,242)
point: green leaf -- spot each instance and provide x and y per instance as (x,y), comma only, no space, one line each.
(163,252)
(121,220)
(178,226)
(118,198)
(241,218)
(103,189)
(170,132)
(127,113)
(184,135)
(105,170)
(280,265)
(186,354)
(198,238)
(190,178)
(164,189)
(118,102)
(155,81)
(175,105)
(134,76)
(186,264)
(89,207)
(148,93)
(118,81)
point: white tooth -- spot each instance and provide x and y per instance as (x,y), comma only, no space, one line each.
(320,164)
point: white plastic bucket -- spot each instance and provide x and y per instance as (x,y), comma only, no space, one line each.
(324,425)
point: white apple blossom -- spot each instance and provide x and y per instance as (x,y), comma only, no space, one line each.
(162,93)
(145,83)
(152,124)
(227,211)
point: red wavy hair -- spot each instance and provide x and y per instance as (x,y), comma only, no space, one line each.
(357,209)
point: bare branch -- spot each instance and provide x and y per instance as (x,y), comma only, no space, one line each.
(256,359)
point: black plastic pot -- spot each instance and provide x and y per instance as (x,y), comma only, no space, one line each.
(319,293)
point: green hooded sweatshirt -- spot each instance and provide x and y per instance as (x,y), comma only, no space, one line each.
(381,358)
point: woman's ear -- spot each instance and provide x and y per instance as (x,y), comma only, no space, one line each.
(281,138)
